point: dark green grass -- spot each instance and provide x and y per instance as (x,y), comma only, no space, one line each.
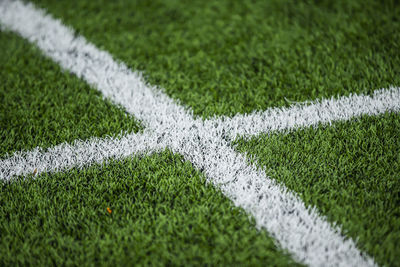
(163,213)
(224,57)
(42,106)
(350,171)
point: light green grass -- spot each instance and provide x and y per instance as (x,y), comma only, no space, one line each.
(163,213)
(350,171)
(41,105)
(224,57)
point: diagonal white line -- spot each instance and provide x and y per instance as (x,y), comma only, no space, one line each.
(300,230)
(312,113)
(113,79)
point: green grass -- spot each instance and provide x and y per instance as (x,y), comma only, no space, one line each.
(162,210)
(218,58)
(349,171)
(41,105)
(224,57)
(163,213)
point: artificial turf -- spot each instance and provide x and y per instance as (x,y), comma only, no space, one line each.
(217,58)
(350,171)
(41,105)
(162,213)
(225,57)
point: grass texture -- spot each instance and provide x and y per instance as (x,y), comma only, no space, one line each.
(162,213)
(217,58)
(350,171)
(41,105)
(224,57)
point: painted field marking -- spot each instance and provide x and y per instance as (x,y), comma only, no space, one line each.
(300,230)
(79,154)
(311,113)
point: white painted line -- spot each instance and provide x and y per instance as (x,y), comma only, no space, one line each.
(325,111)
(300,230)
(78,154)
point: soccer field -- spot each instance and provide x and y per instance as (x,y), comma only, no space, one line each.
(200,133)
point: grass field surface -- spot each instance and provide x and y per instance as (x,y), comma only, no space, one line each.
(44,106)
(162,213)
(349,171)
(216,58)
(226,57)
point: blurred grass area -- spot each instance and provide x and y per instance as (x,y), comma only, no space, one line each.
(225,57)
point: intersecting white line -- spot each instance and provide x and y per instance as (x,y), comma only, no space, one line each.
(311,113)
(302,231)
(79,154)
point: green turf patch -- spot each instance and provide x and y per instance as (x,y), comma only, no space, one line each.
(224,57)
(350,171)
(162,213)
(41,105)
